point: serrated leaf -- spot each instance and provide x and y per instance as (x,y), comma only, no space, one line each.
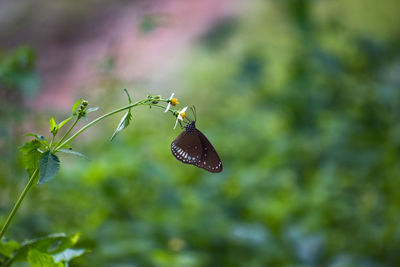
(61,124)
(69,151)
(39,259)
(76,105)
(31,155)
(92,109)
(126,119)
(49,165)
(39,137)
(129,97)
(68,254)
(7,248)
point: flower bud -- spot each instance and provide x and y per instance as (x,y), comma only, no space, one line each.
(155,99)
(174,101)
(82,109)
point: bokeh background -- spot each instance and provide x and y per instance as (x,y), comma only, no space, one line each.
(301,99)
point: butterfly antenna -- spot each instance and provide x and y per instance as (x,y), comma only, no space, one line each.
(193,108)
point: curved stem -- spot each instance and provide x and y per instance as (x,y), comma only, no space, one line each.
(18,203)
(61,144)
(141,102)
(93,122)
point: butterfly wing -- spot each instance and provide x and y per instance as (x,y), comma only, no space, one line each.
(187,147)
(210,160)
(192,147)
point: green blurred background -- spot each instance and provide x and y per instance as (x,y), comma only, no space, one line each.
(300,98)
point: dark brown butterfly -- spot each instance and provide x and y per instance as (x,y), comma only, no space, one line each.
(192,147)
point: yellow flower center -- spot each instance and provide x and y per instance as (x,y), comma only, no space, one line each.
(174,101)
(183,115)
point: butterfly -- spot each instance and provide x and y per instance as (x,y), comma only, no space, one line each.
(193,147)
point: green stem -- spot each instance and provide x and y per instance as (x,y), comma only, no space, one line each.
(69,130)
(138,103)
(18,203)
(52,140)
(61,144)
(93,122)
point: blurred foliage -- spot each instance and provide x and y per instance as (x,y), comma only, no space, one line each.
(52,250)
(17,72)
(301,100)
(18,81)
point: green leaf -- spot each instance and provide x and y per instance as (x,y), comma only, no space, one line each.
(7,248)
(126,119)
(129,97)
(68,254)
(75,106)
(40,138)
(67,146)
(49,165)
(53,124)
(61,124)
(31,155)
(69,151)
(92,109)
(39,259)
(51,244)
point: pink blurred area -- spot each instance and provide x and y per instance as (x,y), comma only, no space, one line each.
(68,60)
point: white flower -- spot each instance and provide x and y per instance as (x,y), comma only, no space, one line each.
(171,101)
(181,115)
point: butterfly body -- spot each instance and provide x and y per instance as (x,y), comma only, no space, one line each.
(193,147)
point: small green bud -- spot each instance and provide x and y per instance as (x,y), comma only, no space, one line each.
(155,99)
(82,109)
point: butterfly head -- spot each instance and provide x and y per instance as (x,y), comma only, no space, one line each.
(190,126)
